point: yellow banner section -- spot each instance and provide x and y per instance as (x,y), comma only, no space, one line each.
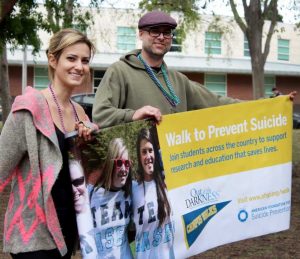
(223,140)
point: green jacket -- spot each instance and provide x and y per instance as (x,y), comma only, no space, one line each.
(126,87)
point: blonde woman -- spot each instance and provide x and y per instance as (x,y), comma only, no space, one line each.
(40,219)
(111,203)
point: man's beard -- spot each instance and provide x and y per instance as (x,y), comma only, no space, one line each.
(156,56)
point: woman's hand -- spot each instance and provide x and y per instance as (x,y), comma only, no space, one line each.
(85,129)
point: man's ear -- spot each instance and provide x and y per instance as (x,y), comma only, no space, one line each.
(52,61)
(140,34)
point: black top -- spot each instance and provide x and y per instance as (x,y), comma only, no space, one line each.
(63,196)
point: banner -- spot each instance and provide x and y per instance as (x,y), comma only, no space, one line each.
(198,180)
(228,172)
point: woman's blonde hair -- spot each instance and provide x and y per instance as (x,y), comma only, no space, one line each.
(116,149)
(63,39)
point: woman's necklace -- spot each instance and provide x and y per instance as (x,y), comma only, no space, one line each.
(170,96)
(60,115)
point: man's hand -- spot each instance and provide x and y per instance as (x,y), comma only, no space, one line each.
(292,95)
(147,112)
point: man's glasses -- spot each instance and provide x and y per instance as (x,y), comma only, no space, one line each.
(78,181)
(119,162)
(156,33)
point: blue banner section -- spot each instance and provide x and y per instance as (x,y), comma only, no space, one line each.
(195,221)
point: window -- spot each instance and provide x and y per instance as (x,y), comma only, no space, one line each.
(176,43)
(126,38)
(212,43)
(41,79)
(283,49)
(246,47)
(270,82)
(98,75)
(216,83)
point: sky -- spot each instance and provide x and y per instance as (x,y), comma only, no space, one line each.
(218,7)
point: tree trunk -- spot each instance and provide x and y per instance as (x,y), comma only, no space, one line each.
(255,33)
(257,63)
(253,26)
(258,79)
(5,8)
(68,10)
(4,85)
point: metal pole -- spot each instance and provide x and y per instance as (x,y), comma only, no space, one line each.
(24,69)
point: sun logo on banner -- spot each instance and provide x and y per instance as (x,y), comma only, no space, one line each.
(195,221)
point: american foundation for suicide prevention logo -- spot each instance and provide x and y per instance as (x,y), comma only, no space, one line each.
(242,215)
(195,221)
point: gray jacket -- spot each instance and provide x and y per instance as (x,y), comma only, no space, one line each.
(30,158)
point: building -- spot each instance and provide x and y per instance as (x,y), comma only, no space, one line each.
(220,61)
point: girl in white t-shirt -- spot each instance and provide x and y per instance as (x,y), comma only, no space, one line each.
(111,203)
(151,208)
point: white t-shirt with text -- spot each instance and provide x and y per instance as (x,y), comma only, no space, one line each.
(152,241)
(111,215)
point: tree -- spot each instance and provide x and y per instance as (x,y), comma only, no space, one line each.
(6,8)
(256,13)
(20,22)
(18,26)
(296,8)
(69,14)
(259,13)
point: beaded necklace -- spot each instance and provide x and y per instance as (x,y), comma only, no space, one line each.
(170,96)
(61,118)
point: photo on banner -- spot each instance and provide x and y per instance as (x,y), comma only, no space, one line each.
(107,176)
